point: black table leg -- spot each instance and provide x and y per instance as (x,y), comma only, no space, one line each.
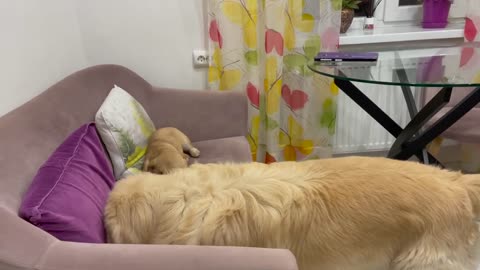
(419,120)
(410,100)
(457,112)
(369,106)
(407,93)
(375,112)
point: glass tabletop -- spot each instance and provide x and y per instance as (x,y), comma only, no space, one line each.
(434,67)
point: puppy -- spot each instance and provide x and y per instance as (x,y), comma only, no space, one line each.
(354,213)
(165,151)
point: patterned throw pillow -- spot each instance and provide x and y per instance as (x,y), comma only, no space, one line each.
(124,127)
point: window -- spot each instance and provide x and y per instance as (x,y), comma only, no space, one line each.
(411,10)
(399,21)
(401,12)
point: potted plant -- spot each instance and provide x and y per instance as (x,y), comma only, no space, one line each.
(435,13)
(348,12)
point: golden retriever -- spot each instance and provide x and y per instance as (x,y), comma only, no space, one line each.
(347,213)
(165,151)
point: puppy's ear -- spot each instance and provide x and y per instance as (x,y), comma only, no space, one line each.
(145,164)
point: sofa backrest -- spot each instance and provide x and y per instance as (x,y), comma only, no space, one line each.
(30,133)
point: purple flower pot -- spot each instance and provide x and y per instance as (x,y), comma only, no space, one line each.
(435,13)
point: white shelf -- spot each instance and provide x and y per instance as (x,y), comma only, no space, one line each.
(400,34)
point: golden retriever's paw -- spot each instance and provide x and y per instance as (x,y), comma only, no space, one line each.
(194,152)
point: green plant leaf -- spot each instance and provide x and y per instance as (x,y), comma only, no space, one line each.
(252,58)
(350,4)
(312,46)
(336,4)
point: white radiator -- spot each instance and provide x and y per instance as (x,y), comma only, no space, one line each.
(357,132)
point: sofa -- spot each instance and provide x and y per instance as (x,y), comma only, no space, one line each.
(216,122)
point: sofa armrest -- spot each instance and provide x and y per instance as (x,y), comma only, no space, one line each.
(202,115)
(65,255)
(22,245)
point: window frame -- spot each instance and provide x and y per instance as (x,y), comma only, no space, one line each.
(393,12)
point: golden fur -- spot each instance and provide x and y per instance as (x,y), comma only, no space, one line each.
(347,213)
(165,151)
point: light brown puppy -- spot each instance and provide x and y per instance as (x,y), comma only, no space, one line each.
(165,151)
(348,213)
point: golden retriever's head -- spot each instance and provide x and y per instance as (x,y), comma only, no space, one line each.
(164,159)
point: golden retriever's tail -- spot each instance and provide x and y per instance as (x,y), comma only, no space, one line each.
(128,218)
(471,182)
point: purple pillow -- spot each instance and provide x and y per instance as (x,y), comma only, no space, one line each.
(69,192)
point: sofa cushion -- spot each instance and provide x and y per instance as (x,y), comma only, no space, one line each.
(69,192)
(233,149)
(124,127)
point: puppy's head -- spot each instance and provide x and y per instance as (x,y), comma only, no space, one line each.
(164,161)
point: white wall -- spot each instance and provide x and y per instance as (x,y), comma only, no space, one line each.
(155,38)
(43,41)
(40,44)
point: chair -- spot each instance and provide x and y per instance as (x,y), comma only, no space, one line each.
(465,131)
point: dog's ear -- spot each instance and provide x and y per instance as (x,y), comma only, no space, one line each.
(145,164)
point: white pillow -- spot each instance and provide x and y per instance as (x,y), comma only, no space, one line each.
(124,127)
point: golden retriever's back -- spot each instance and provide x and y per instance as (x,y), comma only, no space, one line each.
(327,212)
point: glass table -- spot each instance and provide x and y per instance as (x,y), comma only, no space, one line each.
(446,68)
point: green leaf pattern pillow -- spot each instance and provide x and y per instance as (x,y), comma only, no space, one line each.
(124,127)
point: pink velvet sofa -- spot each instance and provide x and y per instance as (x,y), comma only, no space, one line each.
(216,123)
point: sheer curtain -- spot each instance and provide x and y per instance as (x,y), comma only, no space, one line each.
(472,24)
(262,48)
(471,152)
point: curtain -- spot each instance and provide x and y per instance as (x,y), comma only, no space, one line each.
(262,48)
(470,153)
(472,23)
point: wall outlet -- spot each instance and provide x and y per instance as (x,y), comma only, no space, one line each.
(200,58)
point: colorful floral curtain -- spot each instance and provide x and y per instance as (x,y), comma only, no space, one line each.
(472,23)
(262,48)
(471,152)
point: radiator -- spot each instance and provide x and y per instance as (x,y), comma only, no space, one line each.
(357,132)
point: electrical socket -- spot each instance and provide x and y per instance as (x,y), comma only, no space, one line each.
(200,58)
